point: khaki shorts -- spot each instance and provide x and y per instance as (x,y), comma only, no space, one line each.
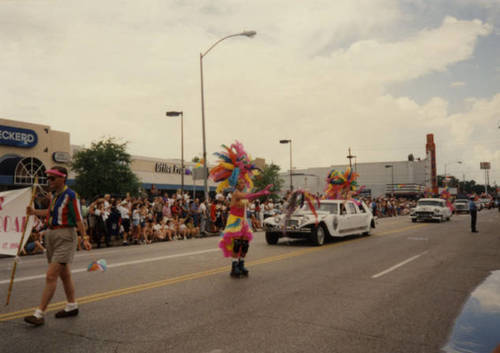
(61,245)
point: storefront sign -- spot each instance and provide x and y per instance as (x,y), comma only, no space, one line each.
(61,157)
(167,168)
(14,136)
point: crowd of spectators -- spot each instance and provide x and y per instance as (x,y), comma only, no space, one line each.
(389,206)
(152,218)
(177,216)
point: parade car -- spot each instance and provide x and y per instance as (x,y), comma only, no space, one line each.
(461,206)
(430,210)
(336,218)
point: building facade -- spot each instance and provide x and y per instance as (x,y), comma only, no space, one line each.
(28,150)
(401,178)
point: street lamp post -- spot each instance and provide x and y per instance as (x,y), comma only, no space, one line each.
(181,114)
(392,177)
(202,55)
(290,142)
(445,174)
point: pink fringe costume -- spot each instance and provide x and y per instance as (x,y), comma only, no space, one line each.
(236,227)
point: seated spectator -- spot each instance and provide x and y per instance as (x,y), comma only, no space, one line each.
(158,232)
(171,229)
(165,229)
(148,232)
(182,228)
(193,231)
(34,244)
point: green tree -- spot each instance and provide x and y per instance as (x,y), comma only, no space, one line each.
(270,175)
(453,182)
(104,168)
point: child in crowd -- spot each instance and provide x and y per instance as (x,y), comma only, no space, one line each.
(192,230)
(34,244)
(183,231)
(148,232)
(136,222)
(171,231)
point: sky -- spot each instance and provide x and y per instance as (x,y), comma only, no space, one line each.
(373,75)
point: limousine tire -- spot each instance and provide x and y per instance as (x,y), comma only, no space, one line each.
(319,235)
(272,238)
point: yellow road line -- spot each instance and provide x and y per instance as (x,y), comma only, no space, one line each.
(402,229)
(186,277)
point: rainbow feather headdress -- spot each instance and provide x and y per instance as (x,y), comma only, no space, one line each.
(341,184)
(234,164)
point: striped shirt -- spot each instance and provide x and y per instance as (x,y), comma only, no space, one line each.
(65,209)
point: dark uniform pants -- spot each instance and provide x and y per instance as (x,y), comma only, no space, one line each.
(473,218)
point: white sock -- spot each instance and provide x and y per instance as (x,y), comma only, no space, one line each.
(71,306)
(38,314)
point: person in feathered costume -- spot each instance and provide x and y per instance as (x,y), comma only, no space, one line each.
(341,185)
(445,195)
(235,170)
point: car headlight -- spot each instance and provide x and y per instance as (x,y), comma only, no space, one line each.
(305,220)
(436,210)
(277,219)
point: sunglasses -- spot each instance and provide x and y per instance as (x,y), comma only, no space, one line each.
(51,178)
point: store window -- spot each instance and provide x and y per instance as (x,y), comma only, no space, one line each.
(26,171)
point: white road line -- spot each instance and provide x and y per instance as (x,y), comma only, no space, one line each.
(119,264)
(399,265)
(417,238)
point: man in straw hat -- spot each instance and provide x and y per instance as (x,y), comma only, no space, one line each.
(64,215)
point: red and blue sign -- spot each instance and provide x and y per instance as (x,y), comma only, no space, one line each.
(17,137)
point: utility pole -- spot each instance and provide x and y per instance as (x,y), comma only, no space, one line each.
(350,157)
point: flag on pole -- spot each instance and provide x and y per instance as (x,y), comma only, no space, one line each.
(198,171)
(12,219)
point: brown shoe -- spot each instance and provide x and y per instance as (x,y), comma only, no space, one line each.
(63,313)
(32,319)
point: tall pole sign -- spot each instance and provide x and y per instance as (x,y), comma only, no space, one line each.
(430,148)
(486,166)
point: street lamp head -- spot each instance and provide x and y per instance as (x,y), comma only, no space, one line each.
(173,113)
(249,34)
(285,141)
(389,166)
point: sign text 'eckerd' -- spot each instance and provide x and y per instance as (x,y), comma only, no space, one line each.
(14,136)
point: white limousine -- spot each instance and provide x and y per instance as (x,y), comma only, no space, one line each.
(336,218)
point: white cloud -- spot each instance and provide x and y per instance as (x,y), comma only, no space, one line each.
(429,50)
(457,84)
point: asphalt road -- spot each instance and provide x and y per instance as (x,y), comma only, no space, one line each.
(398,290)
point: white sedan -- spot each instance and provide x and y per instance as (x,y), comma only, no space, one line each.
(336,218)
(430,209)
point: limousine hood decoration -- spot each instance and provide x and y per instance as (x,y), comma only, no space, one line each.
(296,200)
